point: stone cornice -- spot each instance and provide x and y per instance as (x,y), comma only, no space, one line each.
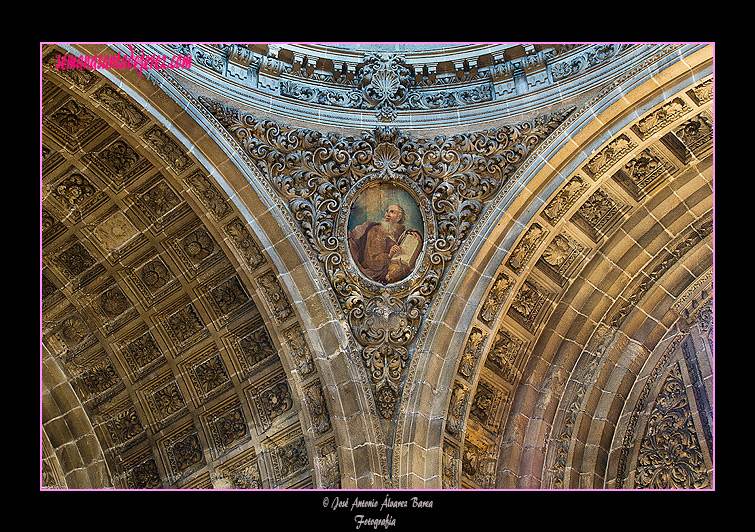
(329,95)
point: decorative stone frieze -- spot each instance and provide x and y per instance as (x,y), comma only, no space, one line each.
(385,82)
(209,195)
(162,398)
(644,173)
(697,133)
(487,405)
(526,247)
(300,352)
(472,354)
(120,106)
(451,465)
(244,243)
(495,299)
(702,92)
(327,464)
(114,232)
(158,201)
(317,409)
(457,410)
(598,214)
(565,198)
(562,256)
(589,58)
(660,118)
(610,154)
(478,462)
(527,306)
(384,85)
(504,356)
(275,297)
(185,325)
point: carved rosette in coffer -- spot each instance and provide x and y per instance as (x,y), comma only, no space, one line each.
(337,188)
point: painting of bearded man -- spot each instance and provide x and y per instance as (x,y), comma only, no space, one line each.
(385,250)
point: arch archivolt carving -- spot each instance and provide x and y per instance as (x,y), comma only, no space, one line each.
(610,364)
(461,372)
(257,248)
(450,178)
(493,374)
(675,383)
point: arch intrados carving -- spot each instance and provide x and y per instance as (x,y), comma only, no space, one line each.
(425,400)
(303,286)
(639,330)
(324,338)
(691,328)
(625,355)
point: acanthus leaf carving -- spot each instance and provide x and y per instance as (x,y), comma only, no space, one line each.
(670,455)
(386,84)
(319,176)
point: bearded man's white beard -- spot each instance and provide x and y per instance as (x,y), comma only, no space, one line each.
(392,228)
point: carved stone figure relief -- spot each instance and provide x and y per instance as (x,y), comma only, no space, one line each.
(504,356)
(327,463)
(451,465)
(494,301)
(471,354)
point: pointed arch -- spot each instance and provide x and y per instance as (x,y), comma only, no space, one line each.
(343,445)
(507,264)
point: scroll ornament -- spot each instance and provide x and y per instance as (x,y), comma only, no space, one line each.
(386,84)
(452,179)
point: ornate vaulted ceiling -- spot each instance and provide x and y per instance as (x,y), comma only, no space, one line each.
(205,322)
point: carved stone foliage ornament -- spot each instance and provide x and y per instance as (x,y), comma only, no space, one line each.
(386,84)
(340,190)
(670,455)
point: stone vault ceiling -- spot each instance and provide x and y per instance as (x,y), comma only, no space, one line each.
(204,324)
